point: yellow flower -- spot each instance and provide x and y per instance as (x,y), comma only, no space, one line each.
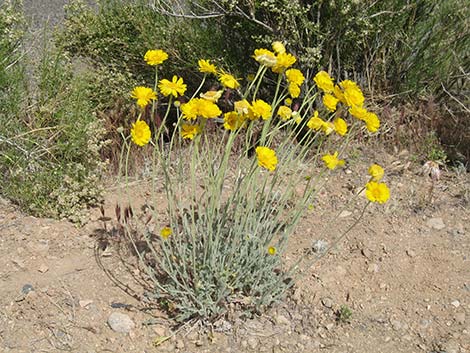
(294,90)
(261,109)
(339,94)
(353,96)
(332,161)
(279,48)
(242,107)
(155,57)
(272,250)
(284,61)
(330,102)
(288,101)
(315,123)
(189,131)
(376,172)
(228,80)
(174,87)
(233,121)
(377,192)
(198,107)
(372,122)
(265,57)
(212,96)
(340,126)
(284,112)
(295,76)
(165,232)
(206,67)
(143,95)
(328,127)
(266,158)
(358,112)
(346,84)
(140,133)
(324,81)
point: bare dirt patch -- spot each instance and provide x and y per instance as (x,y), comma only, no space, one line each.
(403,273)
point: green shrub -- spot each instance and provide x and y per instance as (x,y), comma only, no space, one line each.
(50,139)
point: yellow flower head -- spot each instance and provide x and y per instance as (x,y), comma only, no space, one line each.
(206,67)
(155,57)
(189,131)
(265,57)
(288,101)
(285,113)
(233,121)
(324,81)
(212,96)
(348,84)
(353,96)
(295,76)
(198,107)
(372,122)
(330,102)
(266,158)
(243,108)
(279,48)
(174,87)
(143,95)
(339,94)
(294,90)
(272,250)
(377,192)
(315,123)
(332,161)
(341,127)
(140,133)
(261,109)
(284,61)
(376,172)
(228,80)
(165,232)
(328,127)
(358,112)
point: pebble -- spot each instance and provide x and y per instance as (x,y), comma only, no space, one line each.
(120,322)
(396,325)
(84,303)
(373,268)
(366,252)
(436,223)
(455,303)
(27,288)
(252,342)
(43,268)
(320,246)
(410,253)
(327,302)
(282,320)
(160,330)
(345,214)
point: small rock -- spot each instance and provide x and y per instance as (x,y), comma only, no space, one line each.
(160,330)
(460,318)
(410,253)
(373,268)
(387,339)
(20,263)
(282,320)
(345,214)
(320,246)
(27,288)
(327,302)
(455,303)
(396,325)
(43,268)
(436,223)
(120,322)
(304,337)
(200,343)
(180,344)
(84,303)
(367,253)
(329,326)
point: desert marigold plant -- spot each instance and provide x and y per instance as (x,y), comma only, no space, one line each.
(234,168)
